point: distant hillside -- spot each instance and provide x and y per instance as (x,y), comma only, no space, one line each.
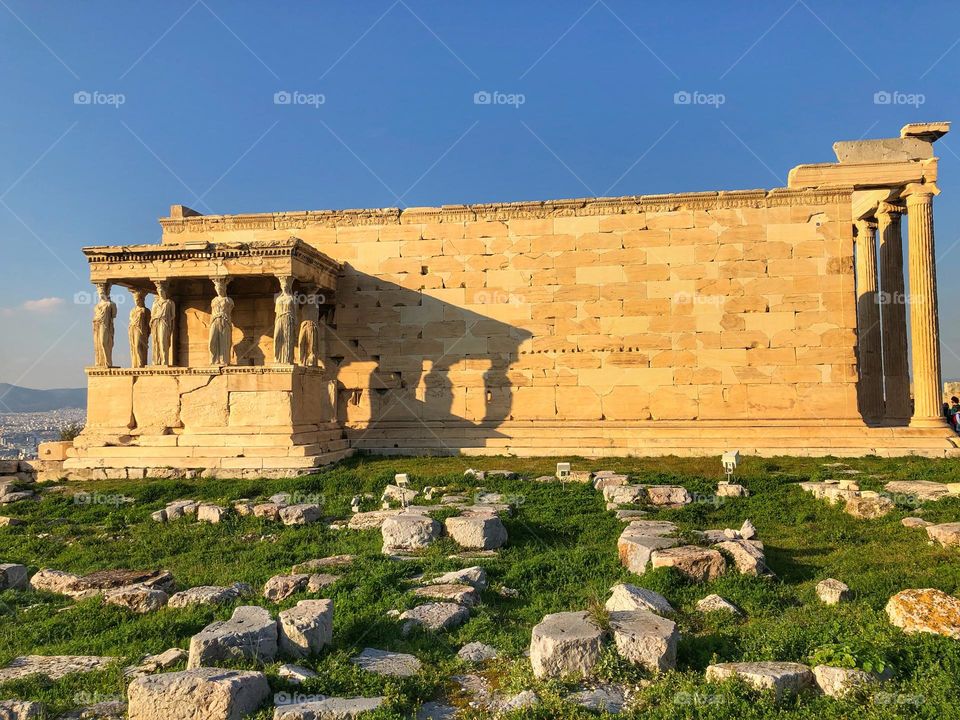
(20,399)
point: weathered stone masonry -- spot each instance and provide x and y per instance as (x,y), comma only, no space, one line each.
(647,324)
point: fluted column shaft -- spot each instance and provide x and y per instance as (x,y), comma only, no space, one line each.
(893,314)
(924,325)
(870,389)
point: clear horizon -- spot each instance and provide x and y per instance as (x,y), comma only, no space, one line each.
(119,110)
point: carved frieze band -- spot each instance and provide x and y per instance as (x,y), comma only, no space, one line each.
(509,211)
(155,371)
(293,248)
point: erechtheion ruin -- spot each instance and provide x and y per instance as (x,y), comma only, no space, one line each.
(772,321)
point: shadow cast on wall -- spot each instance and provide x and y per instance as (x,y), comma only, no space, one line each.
(416,371)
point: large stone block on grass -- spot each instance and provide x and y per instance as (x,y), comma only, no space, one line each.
(926,610)
(466,595)
(13,576)
(832,592)
(645,639)
(868,508)
(947,534)
(307,628)
(630,597)
(566,643)
(666,495)
(384,662)
(201,694)
(20,710)
(477,532)
(697,563)
(406,533)
(625,494)
(474,575)
(747,558)
(302,514)
(920,489)
(209,595)
(781,677)
(138,598)
(53,667)
(331,708)
(841,682)
(435,616)
(638,541)
(250,634)
(280,587)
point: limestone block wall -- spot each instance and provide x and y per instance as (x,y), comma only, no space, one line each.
(184,401)
(700,307)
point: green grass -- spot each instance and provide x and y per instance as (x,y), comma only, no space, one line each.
(561,556)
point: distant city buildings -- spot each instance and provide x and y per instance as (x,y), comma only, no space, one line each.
(20,433)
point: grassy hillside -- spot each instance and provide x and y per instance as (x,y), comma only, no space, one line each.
(561,556)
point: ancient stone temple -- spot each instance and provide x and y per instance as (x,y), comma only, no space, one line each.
(772,321)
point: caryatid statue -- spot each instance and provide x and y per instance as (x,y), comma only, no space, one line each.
(310,332)
(221,323)
(104,313)
(139,330)
(162,320)
(285,325)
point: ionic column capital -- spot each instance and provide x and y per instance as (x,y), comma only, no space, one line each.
(886,211)
(865,227)
(919,193)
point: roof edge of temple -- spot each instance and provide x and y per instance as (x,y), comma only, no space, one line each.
(292,220)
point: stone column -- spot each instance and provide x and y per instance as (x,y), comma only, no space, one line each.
(924,325)
(893,314)
(870,388)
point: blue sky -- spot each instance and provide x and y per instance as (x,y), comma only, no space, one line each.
(182,110)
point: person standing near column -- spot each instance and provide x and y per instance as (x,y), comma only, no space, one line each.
(138,332)
(104,313)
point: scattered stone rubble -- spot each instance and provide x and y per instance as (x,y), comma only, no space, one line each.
(278,509)
(17,482)
(862,504)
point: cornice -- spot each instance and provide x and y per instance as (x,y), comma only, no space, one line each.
(576,207)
